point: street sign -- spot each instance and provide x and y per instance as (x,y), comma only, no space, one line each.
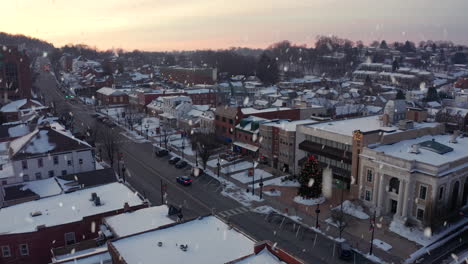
(251,172)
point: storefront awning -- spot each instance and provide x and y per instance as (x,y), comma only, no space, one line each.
(246,146)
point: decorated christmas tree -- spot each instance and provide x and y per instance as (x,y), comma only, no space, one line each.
(310,179)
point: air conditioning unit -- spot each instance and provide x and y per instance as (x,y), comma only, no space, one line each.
(36,213)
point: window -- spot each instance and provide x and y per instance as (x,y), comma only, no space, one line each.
(64,172)
(80,161)
(70,238)
(25,177)
(368,195)
(56,160)
(441,193)
(420,214)
(224,119)
(231,122)
(11,74)
(217,117)
(6,251)
(370,175)
(51,173)
(38,175)
(24,164)
(40,163)
(24,250)
(422,192)
(1,166)
(69,162)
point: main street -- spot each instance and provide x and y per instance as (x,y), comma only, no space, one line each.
(145,173)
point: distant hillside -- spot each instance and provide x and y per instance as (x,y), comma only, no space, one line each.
(33,46)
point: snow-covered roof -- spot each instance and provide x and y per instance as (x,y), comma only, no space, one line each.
(250,111)
(99,255)
(289,125)
(263,257)
(109,91)
(43,188)
(401,150)
(18,131)
(365,124)
(65,208)
(16,105)
(208,240)
(138,221)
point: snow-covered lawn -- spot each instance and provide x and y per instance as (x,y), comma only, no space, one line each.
(382,245)
(301,200)
(277,182)
(353,210)
(244,176)
(272,193)
(187,146)
(237,167)
(214,162)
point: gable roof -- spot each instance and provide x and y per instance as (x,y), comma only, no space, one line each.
(44,141)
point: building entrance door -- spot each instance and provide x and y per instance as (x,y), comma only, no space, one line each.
(393,206)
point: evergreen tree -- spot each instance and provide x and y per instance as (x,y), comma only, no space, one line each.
(432,94)
(400,95)
(310,179)
(267,69)
(395,65)
(383,45)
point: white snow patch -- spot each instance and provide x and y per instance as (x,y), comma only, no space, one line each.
(43,188)
(40,144)
(237,167)
(18,131)
(301,200)
(353,210)
(244,176)
(382,245)
(263,257)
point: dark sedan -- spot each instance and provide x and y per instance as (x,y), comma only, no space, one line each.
(174,160)
(184,180)
(181,164)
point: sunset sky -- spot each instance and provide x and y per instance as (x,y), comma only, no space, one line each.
(198,24)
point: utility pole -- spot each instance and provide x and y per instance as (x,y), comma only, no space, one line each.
(372,226)
(253,176)
(183,147)
(163,191)
(219,166)
(123,172)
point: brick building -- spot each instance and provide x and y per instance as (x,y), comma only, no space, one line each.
(227,118)
(15,75)
(29,230)
(110,96)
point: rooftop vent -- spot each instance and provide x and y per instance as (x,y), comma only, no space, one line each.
(36,213)
(40,227)
(414,149)
(453,137)
(97,201)
(184,247)
(160,244)
(93,196)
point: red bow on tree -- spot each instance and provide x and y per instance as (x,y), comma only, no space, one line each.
(311,158)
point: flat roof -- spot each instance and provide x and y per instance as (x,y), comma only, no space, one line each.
(249,110)
(401,150)
(289,125)
(346,127)
(138,221)
(208,240)
(65,208)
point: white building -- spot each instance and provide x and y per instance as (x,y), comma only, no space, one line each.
(45,153)
(174,107)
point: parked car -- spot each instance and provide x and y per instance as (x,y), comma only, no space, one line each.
(181,164)
(184,180)
(162,153)
(174,160)
(95,115)
(345,251)
(109,123)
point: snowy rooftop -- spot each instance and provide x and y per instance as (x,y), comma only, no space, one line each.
(138,221)
(289,125)
(263,257)
(365,124)
(65,208)
(109,91)
(209,240)
(249,111)
(401,150)
(98,255)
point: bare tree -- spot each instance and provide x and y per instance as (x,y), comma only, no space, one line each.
(205,145)
(108,139)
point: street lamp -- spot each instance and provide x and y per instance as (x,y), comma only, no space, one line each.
(317,212)
(261,187)
(147,127)
(253,176)
(183,147)
(123,172)
(218,165)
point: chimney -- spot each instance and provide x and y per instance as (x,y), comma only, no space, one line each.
(126,207)
(453,137)
(385,120)
(97,201)
(414,149)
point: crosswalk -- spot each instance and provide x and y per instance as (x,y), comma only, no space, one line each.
(235,211)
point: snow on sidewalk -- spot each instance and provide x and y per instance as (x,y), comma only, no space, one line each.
(353,210)
(305,201)
(244,176)
(237,167)
(382,245)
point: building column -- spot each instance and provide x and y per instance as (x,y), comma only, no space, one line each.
(406,199)
(401,192)
(380,194)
